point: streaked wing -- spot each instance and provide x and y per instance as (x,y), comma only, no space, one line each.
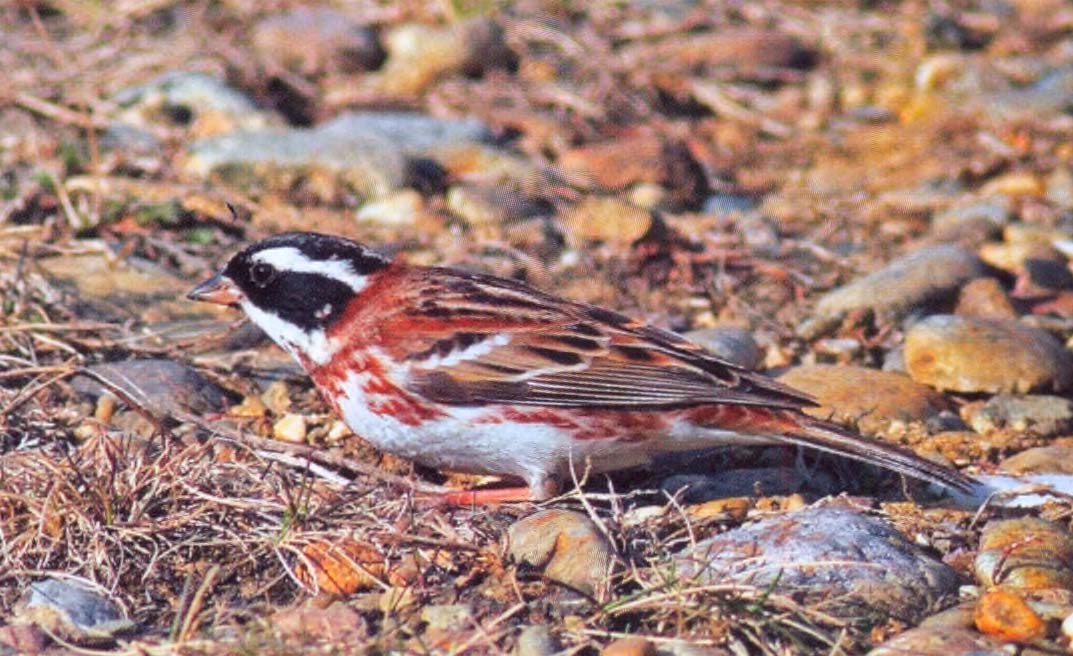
(476,339)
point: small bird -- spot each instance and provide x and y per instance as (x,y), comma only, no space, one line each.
(475,373)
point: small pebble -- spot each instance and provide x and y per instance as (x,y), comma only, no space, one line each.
(1038,415)
(1006,616)
(731,343)
(290,428)
(1053,459)
(536,640)
(903,284)
(967,354)
(606,219)
(567,546)
(985,298)
(1025,554)
(446,616)
(949,633)
(871,398)
(338,623)
(72,609)
(634,646)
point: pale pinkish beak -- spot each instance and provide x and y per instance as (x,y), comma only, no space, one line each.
(218,290)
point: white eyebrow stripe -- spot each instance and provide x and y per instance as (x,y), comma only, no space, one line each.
(289,258)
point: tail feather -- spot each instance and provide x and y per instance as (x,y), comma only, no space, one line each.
(832,438)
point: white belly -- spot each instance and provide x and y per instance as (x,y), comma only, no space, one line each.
(477,440)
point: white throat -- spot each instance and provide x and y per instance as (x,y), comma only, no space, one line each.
(313,345)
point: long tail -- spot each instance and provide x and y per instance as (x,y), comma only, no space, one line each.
(798,428)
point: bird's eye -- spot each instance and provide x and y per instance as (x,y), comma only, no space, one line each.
(261,274)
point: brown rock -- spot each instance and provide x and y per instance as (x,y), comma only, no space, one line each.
(1006,616)
(1011,257)
(567,546)
(337,623)
(418,55)
(639,157)
(618,163)
(730,343)
(634,646)
(734,46)
(985,298)
(159,386)
(1025,554)
(871,397)
(606,219)
(966,354)
(914,279)
(314,40)
(1053,459)
(945,634)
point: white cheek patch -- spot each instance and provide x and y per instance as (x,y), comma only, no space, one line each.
(313,345)
(471,352)
(289,258)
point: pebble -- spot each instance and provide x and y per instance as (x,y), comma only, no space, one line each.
(870,397)
(200,102)
(399,208)
(314,40)
(985,298)
(905,283)
(1017,183)
(1060,188)
(1052,459)
(633,646)
(837,555)
(536,640)
(490,205)
(972,221)
(731,343)
(1013,256)
(618,163)
(605,219)
(949,633)
(724,204)
(566,546)
(161,387)
(290,428)
(1039,415)
(132,284)
(418,55)
(1025,554)
(743,47)
(72,609)
(370,151)
(1048,273)
(336,624)
(1006,616)
(967,354)
(640,158)
(446,616)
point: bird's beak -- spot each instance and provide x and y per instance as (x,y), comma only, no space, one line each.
(217,289)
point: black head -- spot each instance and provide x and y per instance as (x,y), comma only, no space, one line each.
(298,280)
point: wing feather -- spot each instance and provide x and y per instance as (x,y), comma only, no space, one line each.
(504,342)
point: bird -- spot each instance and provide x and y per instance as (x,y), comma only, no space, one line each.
(470,372)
